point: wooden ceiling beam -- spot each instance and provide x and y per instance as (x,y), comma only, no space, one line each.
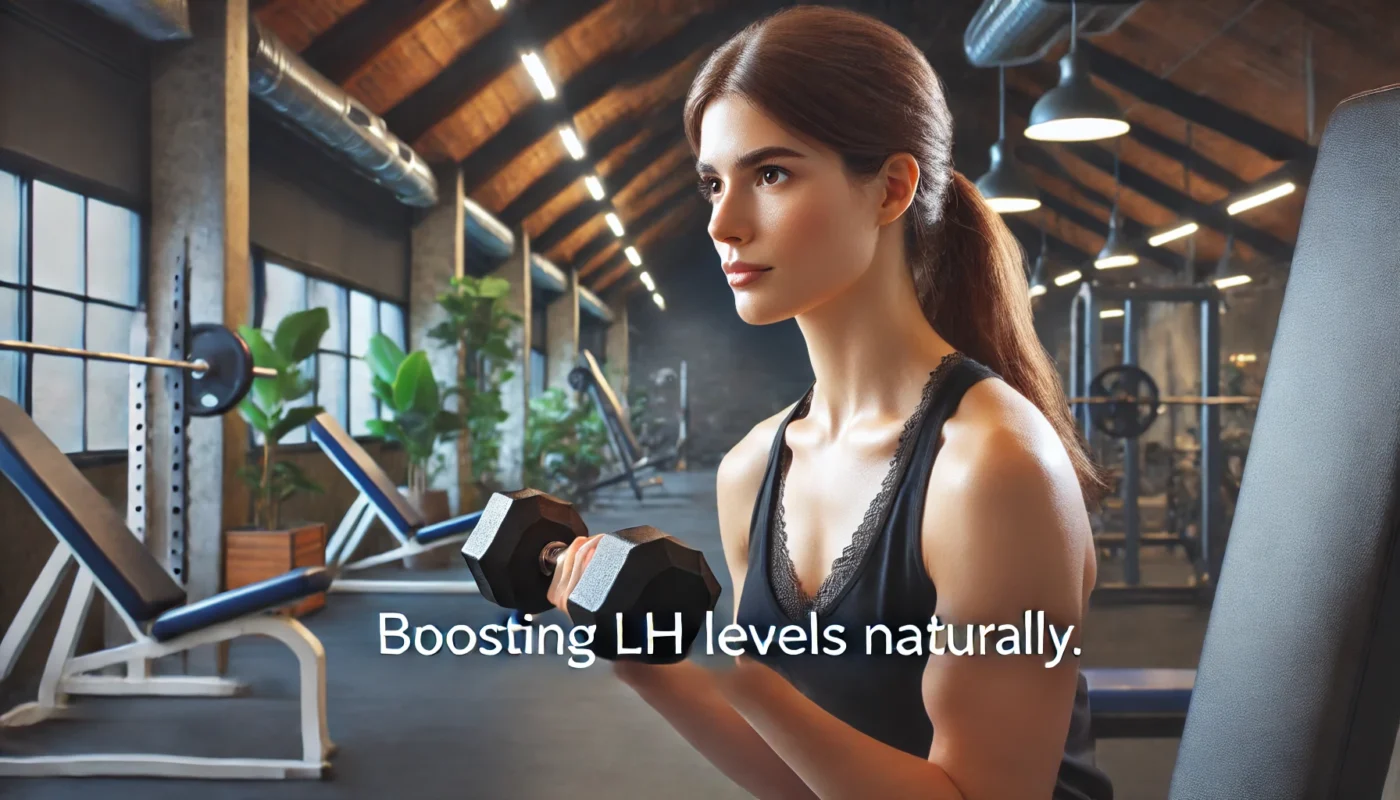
(479,65)
(360,36)
(646,155)
(1213,114)
(611,276)
(594,81)
(547,186)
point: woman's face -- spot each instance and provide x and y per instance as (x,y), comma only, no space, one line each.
(792,227)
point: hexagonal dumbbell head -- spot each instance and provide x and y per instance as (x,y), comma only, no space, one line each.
(639,570)
(503,551)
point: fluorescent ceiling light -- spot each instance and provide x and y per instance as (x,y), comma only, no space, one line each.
(660,303)
(571,142)
(1038,290)
(1111,313)
(1232,281)
(1256,200)
(1068,278)
(1114,262)
(1012,205)
(633,256)
(1173,234)
(535,67)
(615,224)
(595,186)
(648,282)
(499,4)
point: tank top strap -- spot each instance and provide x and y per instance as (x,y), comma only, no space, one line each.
(763,505)
(909,505)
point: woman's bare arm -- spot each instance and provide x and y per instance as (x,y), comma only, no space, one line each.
(688,695)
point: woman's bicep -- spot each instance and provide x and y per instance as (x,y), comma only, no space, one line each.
(1009,542)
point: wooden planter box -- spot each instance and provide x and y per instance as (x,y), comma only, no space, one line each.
(251,556)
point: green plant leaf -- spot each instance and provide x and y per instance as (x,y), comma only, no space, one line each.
(299,334)
(492,287)
(384,357)
(252,414)
(266,390)
(382,390)
(415,388)
(293,419)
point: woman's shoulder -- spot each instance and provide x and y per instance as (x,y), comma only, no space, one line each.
(742,468)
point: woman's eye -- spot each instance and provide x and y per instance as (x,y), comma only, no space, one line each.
(771,175)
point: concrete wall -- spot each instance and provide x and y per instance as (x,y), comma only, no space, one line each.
(738,374)
(75,108)
(310,208)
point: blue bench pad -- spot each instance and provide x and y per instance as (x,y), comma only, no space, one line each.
(364,473)
(1139,691)
(242,601)
(451,527)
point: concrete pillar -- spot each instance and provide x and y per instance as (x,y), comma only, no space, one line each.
(439,246)
(617,369)
(199,212)
(562,334)
(515,393)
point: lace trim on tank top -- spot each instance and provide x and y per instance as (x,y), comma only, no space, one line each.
(787,587)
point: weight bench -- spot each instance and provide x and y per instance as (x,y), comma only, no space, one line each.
(588,376)
(154,609)
(1138,703)
(380,498)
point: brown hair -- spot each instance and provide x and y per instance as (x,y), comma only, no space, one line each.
(863,89)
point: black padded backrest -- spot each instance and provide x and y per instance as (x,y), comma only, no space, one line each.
(362,471)
(1298,689)
(608,404)
(79,515)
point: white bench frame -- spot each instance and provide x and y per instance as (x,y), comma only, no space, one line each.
(64,675)
(350,533)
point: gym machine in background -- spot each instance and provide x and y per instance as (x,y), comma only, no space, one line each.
(1122,402)
(633,460)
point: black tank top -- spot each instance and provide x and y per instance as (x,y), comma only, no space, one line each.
(878,579)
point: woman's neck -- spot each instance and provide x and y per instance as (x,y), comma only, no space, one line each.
(871,348)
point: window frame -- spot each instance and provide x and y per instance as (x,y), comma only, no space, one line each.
(259,258)
(28,172)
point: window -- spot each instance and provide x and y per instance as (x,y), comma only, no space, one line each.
(70,276)
(343,384)
(539,374)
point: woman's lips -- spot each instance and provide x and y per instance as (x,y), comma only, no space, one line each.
(740,274)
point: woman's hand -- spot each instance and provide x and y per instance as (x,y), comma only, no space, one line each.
(568,569)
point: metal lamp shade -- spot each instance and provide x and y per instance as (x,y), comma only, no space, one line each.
(1075,110)
(1007,187)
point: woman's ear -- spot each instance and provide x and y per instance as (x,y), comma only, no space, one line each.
(899,179)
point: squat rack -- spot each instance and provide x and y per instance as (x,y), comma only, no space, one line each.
(1086,338)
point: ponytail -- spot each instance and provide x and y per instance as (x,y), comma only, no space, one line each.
(973,291)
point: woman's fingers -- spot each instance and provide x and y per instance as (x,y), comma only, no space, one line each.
(569,568)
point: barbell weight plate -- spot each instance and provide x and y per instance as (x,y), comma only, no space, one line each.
(1136,410)
(218,389)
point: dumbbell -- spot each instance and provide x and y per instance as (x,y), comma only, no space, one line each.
(515,545)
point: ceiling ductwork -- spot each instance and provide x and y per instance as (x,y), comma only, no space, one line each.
(1007,33)
(304,97)
(301,96)
(158,20)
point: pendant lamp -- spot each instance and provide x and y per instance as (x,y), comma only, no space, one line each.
(1075,110)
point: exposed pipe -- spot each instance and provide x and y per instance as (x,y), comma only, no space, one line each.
(1013,32)
(158,20)
(281,79)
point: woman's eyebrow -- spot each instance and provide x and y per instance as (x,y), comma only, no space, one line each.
(753,158)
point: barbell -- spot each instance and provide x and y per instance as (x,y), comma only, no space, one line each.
(220,364)
(1124,401)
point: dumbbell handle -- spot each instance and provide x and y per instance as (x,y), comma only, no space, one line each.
(549,556)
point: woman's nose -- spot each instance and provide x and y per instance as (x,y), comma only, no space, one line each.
(729,221)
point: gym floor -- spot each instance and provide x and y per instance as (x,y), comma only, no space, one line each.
(522,726)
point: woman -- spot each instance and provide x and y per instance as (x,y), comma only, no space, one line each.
(932,468)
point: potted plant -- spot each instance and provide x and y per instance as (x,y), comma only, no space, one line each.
(478,327)
(566,446)
(405,384)
(269,548)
